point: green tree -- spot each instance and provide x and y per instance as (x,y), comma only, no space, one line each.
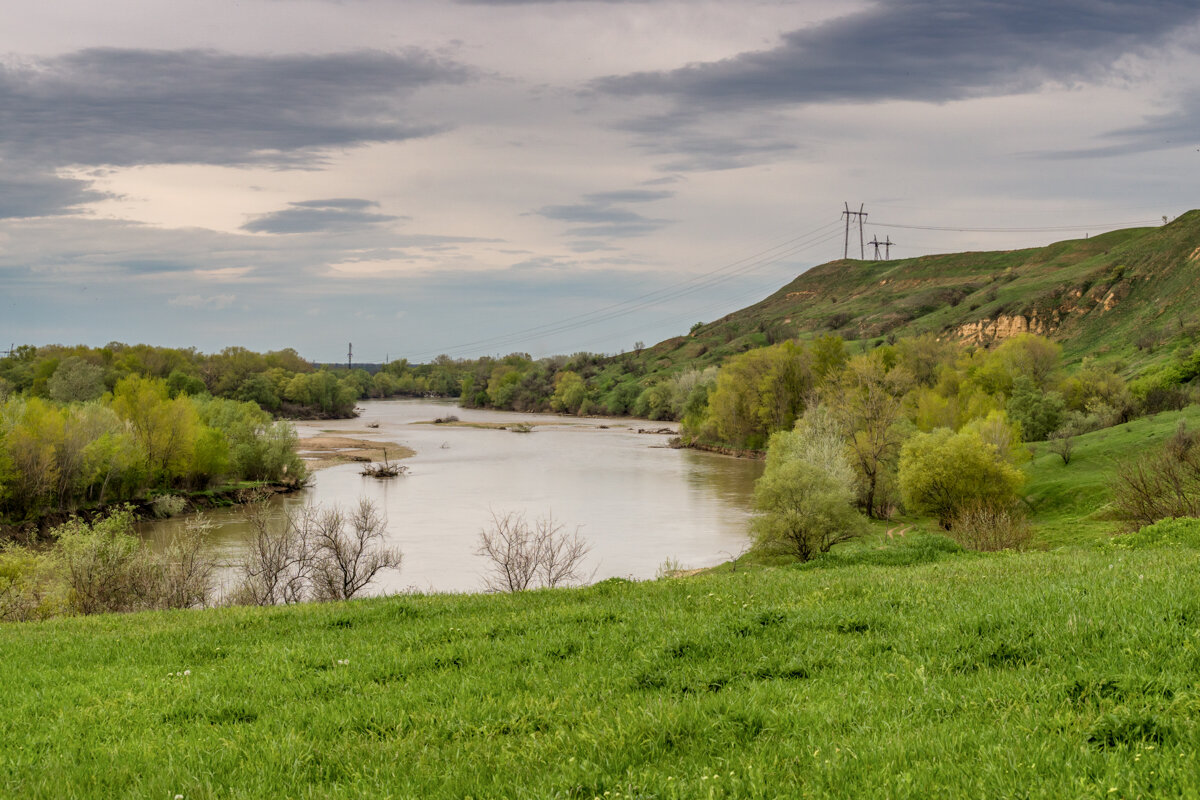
(1037,412)
(570,392)
(76,380)
(164,429)
(866,398)
(943,472)
(805,497)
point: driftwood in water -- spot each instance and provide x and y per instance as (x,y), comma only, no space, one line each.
(385,470)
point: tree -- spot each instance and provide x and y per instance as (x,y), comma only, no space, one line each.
(1027,355)
(76,380)
(943,471)
(522,556)
(1037,412)
(866,400)
(349,551)
(570,392)
(165,429)
(760,392)
(805,497)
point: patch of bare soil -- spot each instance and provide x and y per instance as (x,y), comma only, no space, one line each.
(319,452)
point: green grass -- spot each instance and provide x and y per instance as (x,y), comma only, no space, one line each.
(1067,501)
(886,674)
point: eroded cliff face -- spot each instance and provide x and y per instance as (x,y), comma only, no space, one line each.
(1076,303)
(1005,326)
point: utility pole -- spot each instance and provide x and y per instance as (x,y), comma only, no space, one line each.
(862,249)
(350,357)
(886,247)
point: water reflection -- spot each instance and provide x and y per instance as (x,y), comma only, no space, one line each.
(637,501)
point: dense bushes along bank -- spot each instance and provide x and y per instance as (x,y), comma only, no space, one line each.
(138,439)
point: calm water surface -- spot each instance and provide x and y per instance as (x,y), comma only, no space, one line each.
(635,500)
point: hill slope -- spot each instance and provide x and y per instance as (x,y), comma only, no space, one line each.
(1113,296)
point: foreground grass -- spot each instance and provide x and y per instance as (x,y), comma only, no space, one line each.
(1037,675)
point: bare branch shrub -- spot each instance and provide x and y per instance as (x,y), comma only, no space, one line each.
(1160,485)
(187,571)
(277,565)
(990,526)
(312,553)
(349,551)
(1062,443)
(524,556)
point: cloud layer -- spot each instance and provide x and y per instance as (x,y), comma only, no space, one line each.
(124,106)
(925,50)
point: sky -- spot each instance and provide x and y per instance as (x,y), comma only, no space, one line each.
(480,177)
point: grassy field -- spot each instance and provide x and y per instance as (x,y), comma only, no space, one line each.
(908,670)
(1067,501)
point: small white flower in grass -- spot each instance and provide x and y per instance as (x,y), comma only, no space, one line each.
(178,797)
(187,672)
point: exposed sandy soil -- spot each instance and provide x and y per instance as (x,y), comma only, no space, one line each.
(319,452)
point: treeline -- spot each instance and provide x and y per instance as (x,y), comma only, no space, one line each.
(921,393)
(137,439)
(280,382)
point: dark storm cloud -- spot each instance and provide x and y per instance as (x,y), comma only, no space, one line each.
(602,216)
(125,107)
(34,194)
(338,215)
(1177,128)
(924,50)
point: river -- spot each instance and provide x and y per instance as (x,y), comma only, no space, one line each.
(636,501)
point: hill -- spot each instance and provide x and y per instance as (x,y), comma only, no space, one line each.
(1113,296)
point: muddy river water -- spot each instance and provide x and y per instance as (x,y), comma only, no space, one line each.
(636,501)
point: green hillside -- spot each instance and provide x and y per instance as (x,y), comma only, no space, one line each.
(1117,295)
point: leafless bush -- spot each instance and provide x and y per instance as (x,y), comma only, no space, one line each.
(312,554)
(277,565)
(522,556)
(1062,443)
(1160,485)
(990,526)
(349,551)
(187,571)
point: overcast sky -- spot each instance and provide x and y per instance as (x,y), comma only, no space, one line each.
(489,176)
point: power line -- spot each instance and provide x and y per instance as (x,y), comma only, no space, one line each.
(1045,229)
(714,277)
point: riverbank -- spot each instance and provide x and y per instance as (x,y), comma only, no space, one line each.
(1043,675)
(184,502)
